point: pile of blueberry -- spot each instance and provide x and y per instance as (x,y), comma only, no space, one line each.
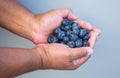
(71,34)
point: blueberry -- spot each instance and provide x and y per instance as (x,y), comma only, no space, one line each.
(66,22)
(76,31)
(71,44)
(85,43)
(65,39)
(62,28)
(86,37)
(82,33)
(57,30)
(69,32)
(52,39)
(49,39)
(66,28)
(73,37)
(60,35)
(78,43)
(75,25)
(88,31)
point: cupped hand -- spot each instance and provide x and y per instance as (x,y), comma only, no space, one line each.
(59,56)
(47,22)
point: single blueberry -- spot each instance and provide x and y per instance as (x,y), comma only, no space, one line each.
(82,32)
(86,37)
(65,38)
(76,31)
(75,25)
(73,37)
(52,39)
(85,43)
(62,28)
(66,28)
(71,44)
(78,43)
(57,30)
(88,31)
(66,22)
(68,33)
(70,22)
(60,35)
(49,39)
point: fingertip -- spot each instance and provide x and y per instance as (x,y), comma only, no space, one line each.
(89,50)
(98,31)
(91,41)
(84,24)
(78,62)
(94,34)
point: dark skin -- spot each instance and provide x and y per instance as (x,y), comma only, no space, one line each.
(19,20)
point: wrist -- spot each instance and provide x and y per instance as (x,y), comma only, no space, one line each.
(38,34)
(39,54)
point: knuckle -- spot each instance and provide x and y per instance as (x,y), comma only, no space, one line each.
(83,52)
(74,66)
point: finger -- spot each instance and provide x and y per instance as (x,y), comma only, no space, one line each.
(77,63)
(97,30)
(79,52)
(84,24)
(93,37)
(71,16)
(67,13)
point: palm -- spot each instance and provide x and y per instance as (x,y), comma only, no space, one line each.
(59,56)
(47,26)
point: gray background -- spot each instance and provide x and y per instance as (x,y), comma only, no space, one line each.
(103,14)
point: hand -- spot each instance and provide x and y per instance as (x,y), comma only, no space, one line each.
(59,56)
(47,22)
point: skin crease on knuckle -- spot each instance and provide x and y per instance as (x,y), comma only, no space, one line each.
(73,66)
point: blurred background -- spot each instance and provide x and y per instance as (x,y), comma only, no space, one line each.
(102,14)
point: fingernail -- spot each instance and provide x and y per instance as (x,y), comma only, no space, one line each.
(89,50)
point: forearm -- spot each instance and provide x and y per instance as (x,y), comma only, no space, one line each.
(16,61)
(16,18)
